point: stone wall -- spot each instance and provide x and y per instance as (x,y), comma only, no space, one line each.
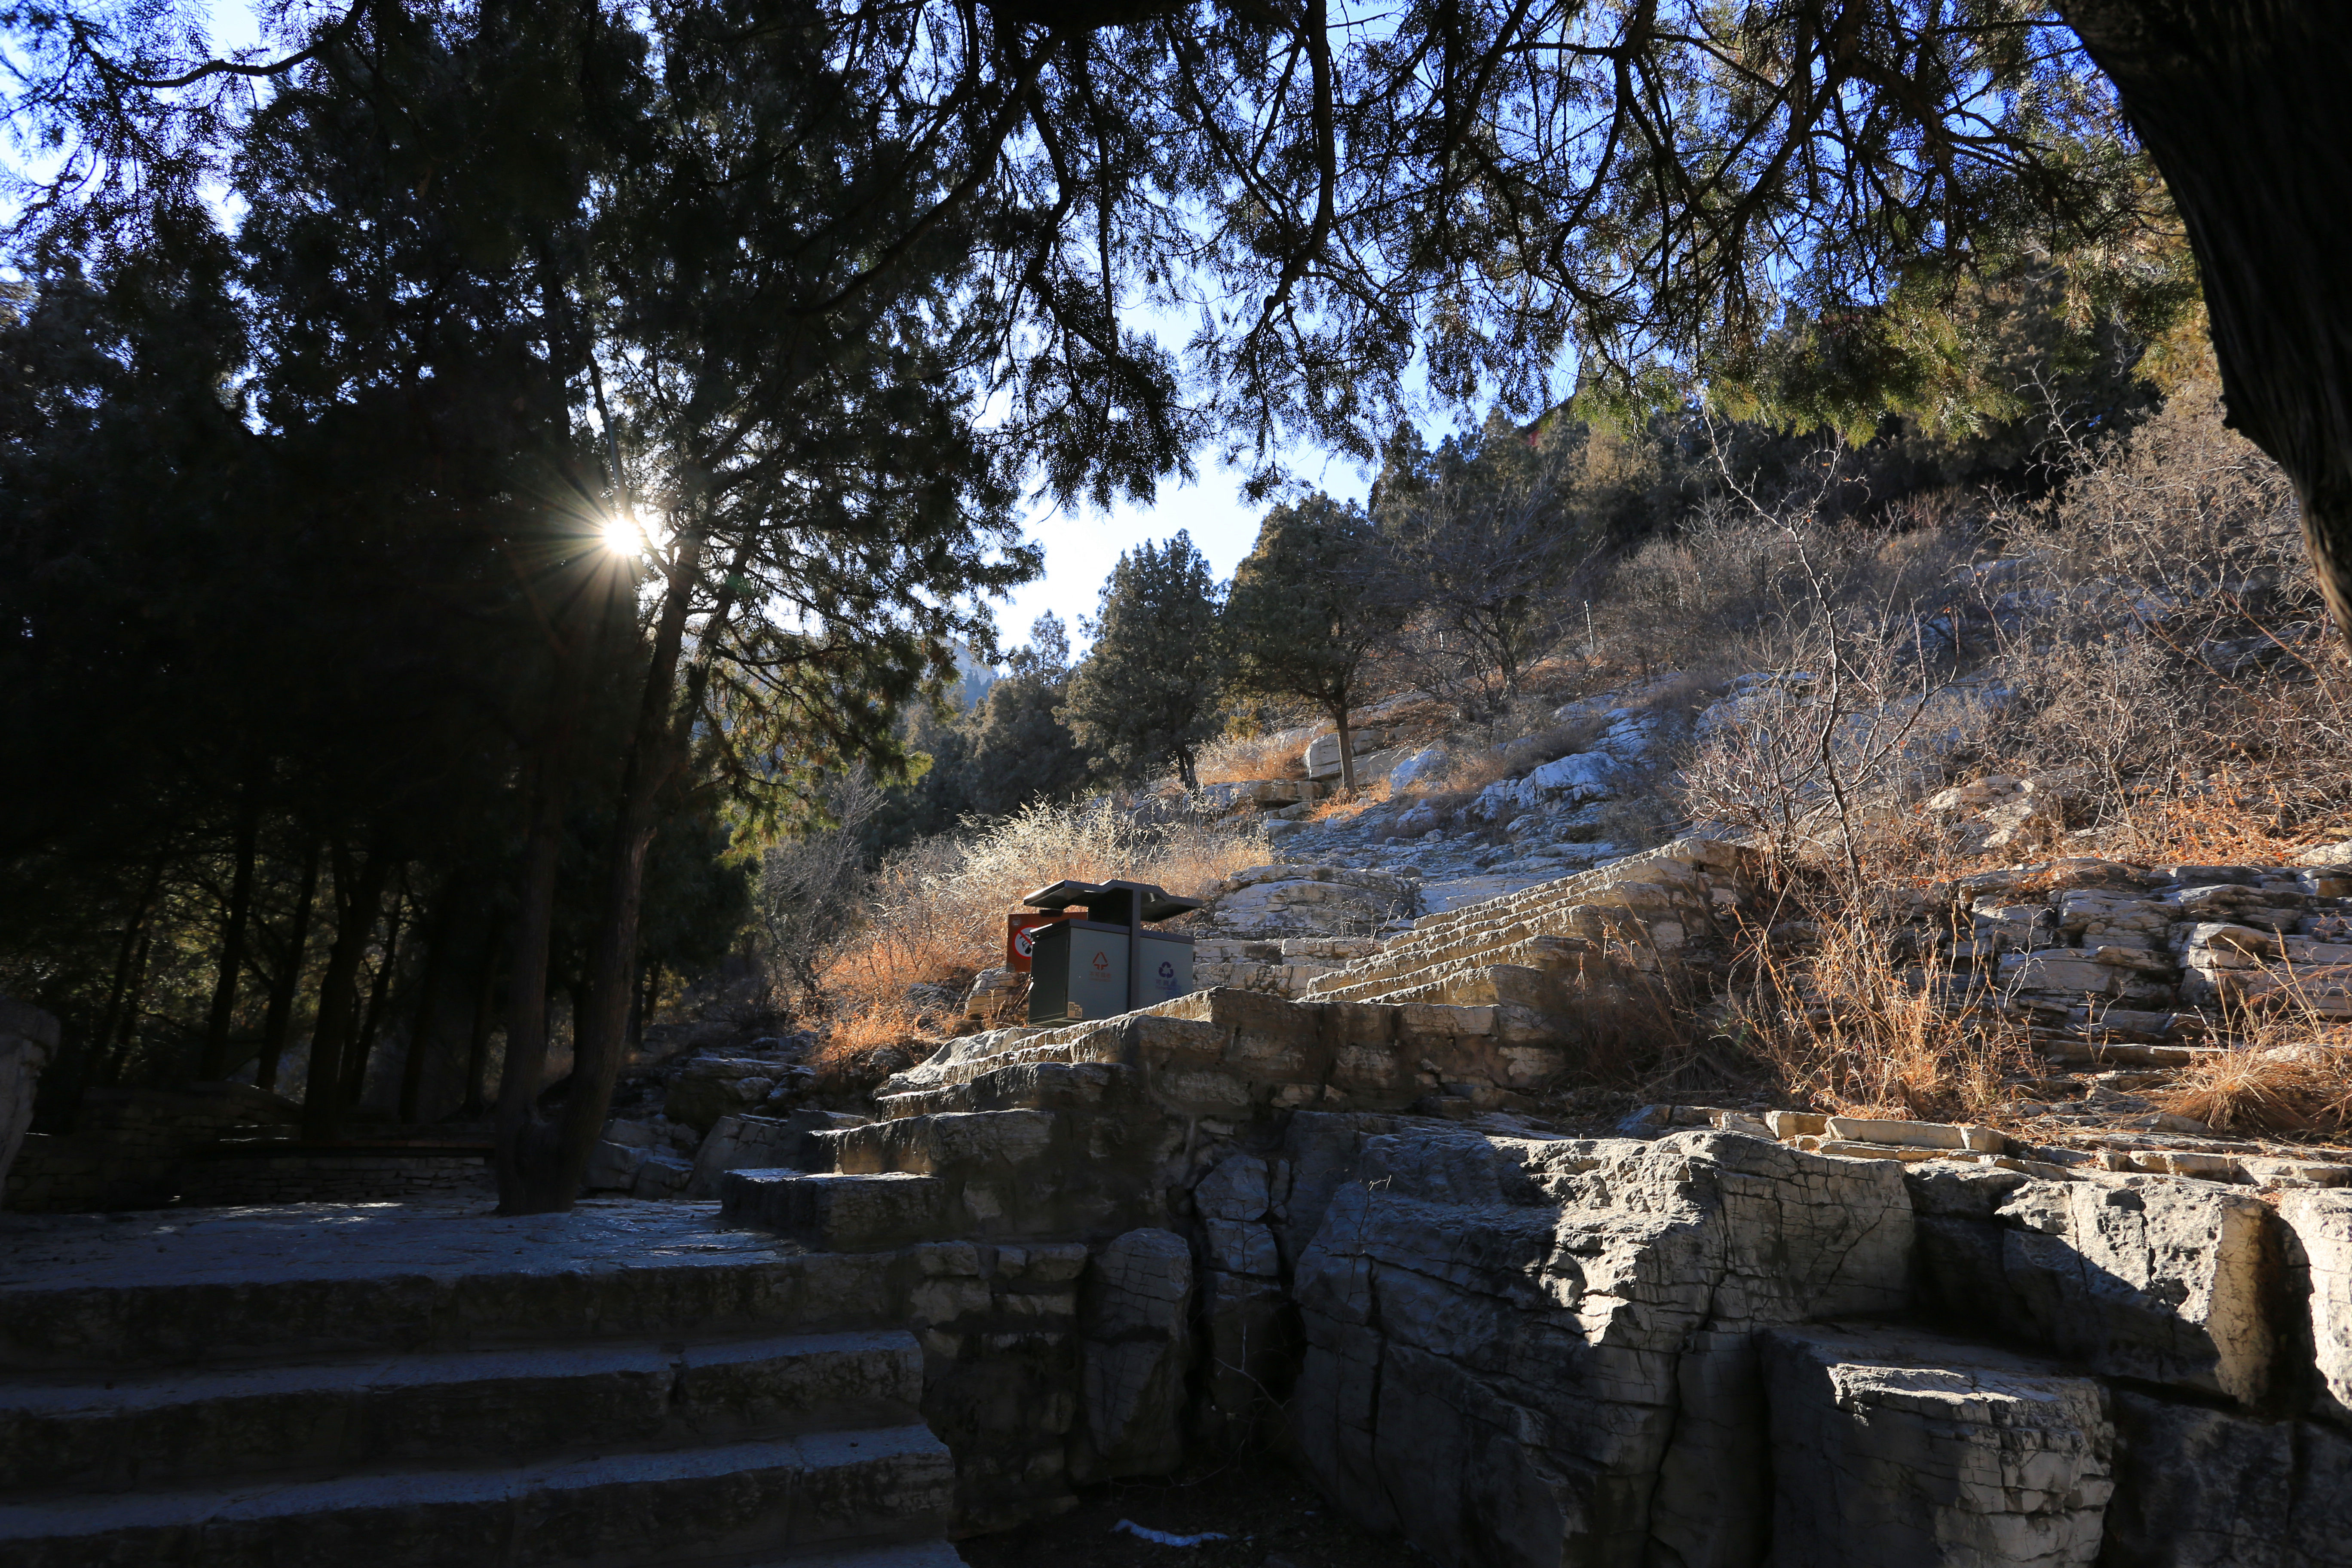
(1715,1349)
(238,1179)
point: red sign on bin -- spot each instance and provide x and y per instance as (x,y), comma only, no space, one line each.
(1021,933)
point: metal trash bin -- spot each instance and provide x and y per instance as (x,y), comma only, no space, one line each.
(1107,963)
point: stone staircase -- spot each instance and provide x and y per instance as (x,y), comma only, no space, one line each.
(1053,1141)
(493,1392)
(1621,916)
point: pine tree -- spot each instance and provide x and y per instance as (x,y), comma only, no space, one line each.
(1310,608)
(1022,750)
(1148,692)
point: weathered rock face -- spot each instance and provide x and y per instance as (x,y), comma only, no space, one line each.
(2320,1226)
(2156,1278)
(28,1038)
(1893,1448)
(2199,1488)
(1545,1353)
(713,1087)
(1135,1322)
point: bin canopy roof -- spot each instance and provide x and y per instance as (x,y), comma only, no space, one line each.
(1157,903)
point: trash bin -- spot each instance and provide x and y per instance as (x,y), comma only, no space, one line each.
(1108,961)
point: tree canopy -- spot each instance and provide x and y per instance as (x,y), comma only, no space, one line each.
(787,301)
(1146,693)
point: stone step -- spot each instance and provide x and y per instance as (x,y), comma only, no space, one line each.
(1430,982)
(1568,918)
(1018,1086)
(1021,1173)
(957,1146)
(177,1428)
(838,1213)
(284,1284)
(778,1500)
(1620,899)
(1024,1173)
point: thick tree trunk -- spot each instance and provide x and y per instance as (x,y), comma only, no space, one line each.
(430,985)
(215,1063)
(2246,106)
(656,754)
(476,1104)
(286,987)
(658,751)
(522,1138)
(124,1033)
(371,1021)
(122,998)
(359,894)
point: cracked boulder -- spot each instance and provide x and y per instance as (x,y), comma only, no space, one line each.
(2154,1277)
(1135,1323)
(1545,1352)
(1891,1447)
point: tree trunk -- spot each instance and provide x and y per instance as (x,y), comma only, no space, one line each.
(2243,105)
(648,998)
(287,986)
(1184,770)
(215,1062)
(658,751)
(129,958)
(359,895)
(522,1138)
(421,1030)
(117,1049)
(355,1079)
(1346,749)
(476,1104)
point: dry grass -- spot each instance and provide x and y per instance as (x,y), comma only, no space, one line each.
(936,911)
(1848,1028)
(2253,1087)
(1248,759)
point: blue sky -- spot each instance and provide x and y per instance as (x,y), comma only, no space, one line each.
(1082,547)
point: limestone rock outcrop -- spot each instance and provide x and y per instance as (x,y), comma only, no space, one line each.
(1545,1352)
(1135,1323)
(1891,1447)
(2160,1278)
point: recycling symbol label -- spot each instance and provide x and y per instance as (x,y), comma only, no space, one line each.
(1166,972)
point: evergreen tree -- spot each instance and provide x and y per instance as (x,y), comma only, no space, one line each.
(1146,693)
(1487,534)
(1021,748)
(1311,608)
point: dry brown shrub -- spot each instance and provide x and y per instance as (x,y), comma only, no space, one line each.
(866,1045)
(1849,1028)
(936,914)
(1370,790)
(2253,1087)
(1249,759)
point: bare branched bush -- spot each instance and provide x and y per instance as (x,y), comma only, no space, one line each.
(1851,1028)
(810,901)
(1858,704)
(2161,633)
